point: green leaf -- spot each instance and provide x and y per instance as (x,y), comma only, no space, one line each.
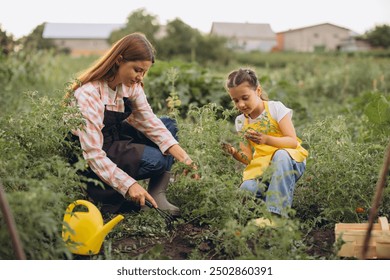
(378,110)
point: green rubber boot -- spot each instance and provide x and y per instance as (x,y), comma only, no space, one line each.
(157,189)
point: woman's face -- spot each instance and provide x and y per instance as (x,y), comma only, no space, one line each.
(246,99)
(132,72)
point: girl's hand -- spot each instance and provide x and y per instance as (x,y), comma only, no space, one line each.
(256,137)
(228,148)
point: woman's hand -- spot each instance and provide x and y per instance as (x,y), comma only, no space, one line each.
(138,194)
(178,153)
(195,176)
(192,166)
(256,137)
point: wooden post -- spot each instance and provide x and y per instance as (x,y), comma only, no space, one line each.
(9,219)
(376,200)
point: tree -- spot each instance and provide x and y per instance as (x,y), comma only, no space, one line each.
(35,40)
(7,42)
(175,40)
(187,43)
(213,48)
(379,36)
(180,40)
(138,21)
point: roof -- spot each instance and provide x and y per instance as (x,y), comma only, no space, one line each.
(247,30)
(79,30)
(311,26)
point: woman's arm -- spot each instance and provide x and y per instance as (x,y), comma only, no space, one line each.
(181,155)
(143,119)
(91,140)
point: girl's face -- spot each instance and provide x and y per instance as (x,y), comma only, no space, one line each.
(246,99)
(132,72)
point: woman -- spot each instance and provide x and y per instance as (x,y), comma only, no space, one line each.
(123,140)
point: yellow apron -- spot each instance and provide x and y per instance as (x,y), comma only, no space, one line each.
(263,153)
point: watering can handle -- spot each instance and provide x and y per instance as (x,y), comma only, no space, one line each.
(91,207)
(384,223)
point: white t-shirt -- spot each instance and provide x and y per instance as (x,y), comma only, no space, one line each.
(276,108)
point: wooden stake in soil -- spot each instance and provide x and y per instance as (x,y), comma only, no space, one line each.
(9,220)
(376,201)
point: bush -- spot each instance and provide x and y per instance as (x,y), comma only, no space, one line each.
(37,177)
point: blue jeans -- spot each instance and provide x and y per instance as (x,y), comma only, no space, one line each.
(279,195)
(153,162)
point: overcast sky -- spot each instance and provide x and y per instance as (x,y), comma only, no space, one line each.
(20,17)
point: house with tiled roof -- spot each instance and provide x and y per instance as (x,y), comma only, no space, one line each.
(81,38)
(246,36)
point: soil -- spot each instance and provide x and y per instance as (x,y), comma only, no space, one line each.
(185,239)
(321,243)
(178,246)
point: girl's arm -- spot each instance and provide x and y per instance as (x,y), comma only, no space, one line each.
(244,155)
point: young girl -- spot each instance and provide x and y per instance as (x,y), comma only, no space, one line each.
(123,141)
(269,140)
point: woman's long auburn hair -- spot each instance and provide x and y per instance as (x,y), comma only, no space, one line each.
(133,47)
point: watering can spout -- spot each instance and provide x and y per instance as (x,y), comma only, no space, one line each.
(111,224)
(95,243)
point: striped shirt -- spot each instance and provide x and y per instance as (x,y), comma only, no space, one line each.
(92,99)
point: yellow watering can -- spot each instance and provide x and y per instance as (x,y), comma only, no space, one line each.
(84,232)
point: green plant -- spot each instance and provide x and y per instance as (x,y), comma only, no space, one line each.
(338,178)
(340,105)
(38,179)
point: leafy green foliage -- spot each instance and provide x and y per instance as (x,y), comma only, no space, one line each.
(35,41)
(379,36)
(208,197)
(378,110)
(40,182)
(25,70)
(340,108)
(7,42)
(341,174)
(194,86)
(138,21)
(176,39)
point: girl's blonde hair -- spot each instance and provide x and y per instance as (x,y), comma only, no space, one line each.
(133,47)
(242,75)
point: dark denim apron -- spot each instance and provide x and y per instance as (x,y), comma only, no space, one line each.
(124,145)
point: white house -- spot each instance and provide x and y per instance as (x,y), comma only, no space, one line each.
(246,36)
(81,38)
(320,37)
